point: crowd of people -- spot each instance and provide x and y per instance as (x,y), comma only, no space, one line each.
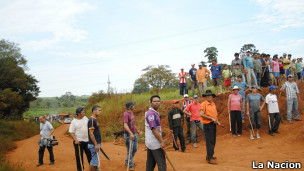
(246,74)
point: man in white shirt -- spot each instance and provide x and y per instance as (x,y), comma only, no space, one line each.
(79,132)
(273,110)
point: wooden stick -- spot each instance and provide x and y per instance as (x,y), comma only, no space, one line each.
(169,160)
(130,146)
(80,157)
(251,125)
(230,121)
(97,152)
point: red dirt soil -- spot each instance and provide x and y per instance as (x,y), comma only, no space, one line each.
(232,153)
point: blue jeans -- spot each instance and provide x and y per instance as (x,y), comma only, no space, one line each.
(258,77)
(193,125)
(133,148)
(183,86)
(287,72)
(292,104)
(95,160)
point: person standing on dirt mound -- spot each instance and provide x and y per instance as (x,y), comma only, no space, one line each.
(193,110)
(254,111)
(130,131)
(292,94)
(94,138)
(208,112)
(186,103)
(273,111)
(183,82)
(79,132)
(175,118)
(154,141)
(202,75)
(235,109)
(216,70)
(46,131)
(192,76)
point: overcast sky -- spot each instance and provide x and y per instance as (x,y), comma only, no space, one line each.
(73,45)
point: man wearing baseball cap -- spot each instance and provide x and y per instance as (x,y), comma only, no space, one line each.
(183,82)
(201,76)
(192,76)
(175,116)
(273,111)
(293,95)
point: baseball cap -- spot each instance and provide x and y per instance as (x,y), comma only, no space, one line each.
(200,64)
(289,55)
(195,96)
(272,87)
(174,101)
(248,50)
(186,95)
(290,75)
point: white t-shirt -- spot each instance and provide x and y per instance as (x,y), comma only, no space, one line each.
(45,129)
(80,129)
(272,101)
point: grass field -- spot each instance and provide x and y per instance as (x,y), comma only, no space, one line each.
(32,112)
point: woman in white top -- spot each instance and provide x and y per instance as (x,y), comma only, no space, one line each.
(79,132)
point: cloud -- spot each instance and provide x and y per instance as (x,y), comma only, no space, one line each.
(36,18)
(282,13)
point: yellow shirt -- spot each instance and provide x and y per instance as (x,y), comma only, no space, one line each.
(201,74)
(286,60)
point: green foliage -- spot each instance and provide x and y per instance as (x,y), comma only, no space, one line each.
(250,47)
(17,88)
(155,78)
(211,53)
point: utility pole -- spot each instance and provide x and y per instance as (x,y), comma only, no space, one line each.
(109,87)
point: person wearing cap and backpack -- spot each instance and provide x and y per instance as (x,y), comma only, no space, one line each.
(79,132)
(293,95)
(192,76)
(183,82)
(186,103)
(193,110)
(208,113)
(175,120)
(130,131)
(235,110)
(201,76)
(271,102)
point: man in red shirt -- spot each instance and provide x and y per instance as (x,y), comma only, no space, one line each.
(193,110)
(183,82)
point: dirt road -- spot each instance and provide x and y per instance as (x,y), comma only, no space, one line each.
(232,153)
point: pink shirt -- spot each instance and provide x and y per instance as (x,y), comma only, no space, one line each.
(195,111)
(235,102)
(276,66)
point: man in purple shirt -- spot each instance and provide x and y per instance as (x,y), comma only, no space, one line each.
(130,132)
(154,141)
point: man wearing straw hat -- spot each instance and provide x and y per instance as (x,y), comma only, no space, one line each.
(209,115)
(94,137)
(79,132)
(130,131)
(254,111)
(235,109)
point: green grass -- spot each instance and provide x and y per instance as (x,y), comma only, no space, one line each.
(32,112)
(11,131)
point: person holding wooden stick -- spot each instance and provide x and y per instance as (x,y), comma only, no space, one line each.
(235,109)
(153,137)
(254,111)
(208,112)
(79,132)
(130,135)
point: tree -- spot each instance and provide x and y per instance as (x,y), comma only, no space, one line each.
(211,53)
(17,88)
(250,47)
(140,86)
(156,78)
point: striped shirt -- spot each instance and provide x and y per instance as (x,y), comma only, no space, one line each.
(291,89)
(184,79)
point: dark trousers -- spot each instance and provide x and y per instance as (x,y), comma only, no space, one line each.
(182,87)
(178,133)
(83,147)
(210,133)
(156,157)
(188,128)
(41,153)
(265,79)
(236,118)
(275,126)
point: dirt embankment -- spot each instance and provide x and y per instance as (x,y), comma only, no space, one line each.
(232,153)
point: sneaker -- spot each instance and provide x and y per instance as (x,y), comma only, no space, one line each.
(233,135)
(251,137)
(211,161)
(52,163)
(258,135)
(194,145)
(239,135)
(39,164)
(131,168)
